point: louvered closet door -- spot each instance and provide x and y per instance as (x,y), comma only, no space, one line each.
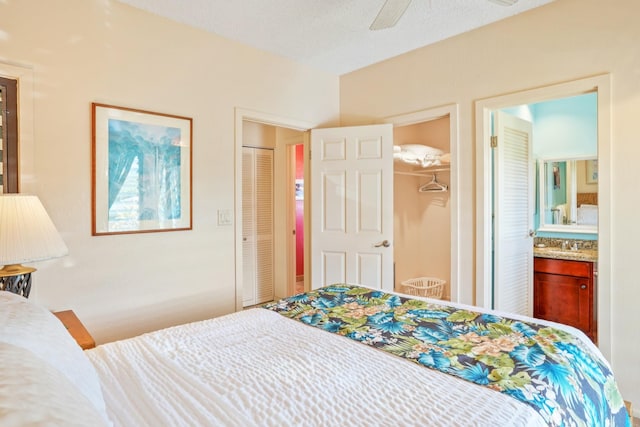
(513,216)
(248,228)
(257,209)
(264,225)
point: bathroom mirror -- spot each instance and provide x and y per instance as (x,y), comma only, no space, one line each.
(568,195)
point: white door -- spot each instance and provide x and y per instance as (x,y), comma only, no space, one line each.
(513,215)
(257,225)
(352,206)
(248,228)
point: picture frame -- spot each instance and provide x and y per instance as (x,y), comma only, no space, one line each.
(299,189)
(557,183)
(141,171)
(591,167)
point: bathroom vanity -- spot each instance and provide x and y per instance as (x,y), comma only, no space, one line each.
(564,283)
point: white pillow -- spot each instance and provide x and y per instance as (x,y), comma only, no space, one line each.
(587,215)
(34,393)
(418,154)
(41,336)
(421,151)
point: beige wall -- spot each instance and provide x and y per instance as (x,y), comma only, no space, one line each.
(422,221)
(565,40)
(83,51)
(258,135)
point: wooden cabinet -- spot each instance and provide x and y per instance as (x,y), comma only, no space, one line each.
(564,292)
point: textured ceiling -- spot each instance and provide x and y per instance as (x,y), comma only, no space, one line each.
(332,35)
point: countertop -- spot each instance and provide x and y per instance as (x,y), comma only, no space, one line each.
(590,255)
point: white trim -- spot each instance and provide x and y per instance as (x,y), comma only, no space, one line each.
(424,116)
(600,84)
(26,141)
(290,161)
(285,210)
(241,115)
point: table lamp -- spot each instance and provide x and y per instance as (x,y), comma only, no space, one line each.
(27,234)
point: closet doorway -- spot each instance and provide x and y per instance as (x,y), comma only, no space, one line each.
(258,213)
(425,198)
(266,270)
(422,212)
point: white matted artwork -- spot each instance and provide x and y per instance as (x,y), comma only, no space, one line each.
(141,171)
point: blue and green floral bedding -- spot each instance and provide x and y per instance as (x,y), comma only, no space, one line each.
(547,368)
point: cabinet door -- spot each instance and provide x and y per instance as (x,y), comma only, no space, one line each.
(564,299)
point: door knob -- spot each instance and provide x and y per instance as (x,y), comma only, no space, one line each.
(384,243)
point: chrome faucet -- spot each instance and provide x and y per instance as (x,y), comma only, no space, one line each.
(574,246)
(565,245)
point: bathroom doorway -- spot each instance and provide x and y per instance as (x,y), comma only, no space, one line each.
(296,201)
(599,85)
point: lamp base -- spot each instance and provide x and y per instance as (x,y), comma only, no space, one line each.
(17,279)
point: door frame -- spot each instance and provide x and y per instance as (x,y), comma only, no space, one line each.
(427,115)
(483,109)
(242,114)
(290,189)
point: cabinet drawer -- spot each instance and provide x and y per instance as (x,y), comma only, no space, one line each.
(563,267)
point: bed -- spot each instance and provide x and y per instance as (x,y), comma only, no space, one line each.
(341,355)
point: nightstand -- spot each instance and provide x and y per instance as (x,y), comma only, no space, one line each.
(76,329)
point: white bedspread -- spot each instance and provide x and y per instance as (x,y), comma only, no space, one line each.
(258,368)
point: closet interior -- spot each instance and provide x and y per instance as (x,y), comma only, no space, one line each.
(422,212)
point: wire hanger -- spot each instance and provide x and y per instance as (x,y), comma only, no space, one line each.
(433,186)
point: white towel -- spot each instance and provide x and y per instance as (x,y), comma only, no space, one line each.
(562,214)
(418,154)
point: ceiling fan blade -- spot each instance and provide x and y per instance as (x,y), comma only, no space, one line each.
(389,14)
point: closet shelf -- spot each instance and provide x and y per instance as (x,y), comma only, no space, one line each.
(424,172)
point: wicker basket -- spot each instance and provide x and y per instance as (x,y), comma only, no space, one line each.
(430,287)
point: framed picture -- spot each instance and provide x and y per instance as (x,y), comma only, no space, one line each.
(141,171)
(592,171)
(299,189)
(557,183)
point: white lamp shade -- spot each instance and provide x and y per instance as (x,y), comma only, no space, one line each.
(27,234)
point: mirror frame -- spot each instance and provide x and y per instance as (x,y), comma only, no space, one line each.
(542,194)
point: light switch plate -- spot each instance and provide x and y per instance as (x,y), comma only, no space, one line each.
(225,217)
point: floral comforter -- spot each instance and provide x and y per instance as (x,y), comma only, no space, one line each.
(547,368)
